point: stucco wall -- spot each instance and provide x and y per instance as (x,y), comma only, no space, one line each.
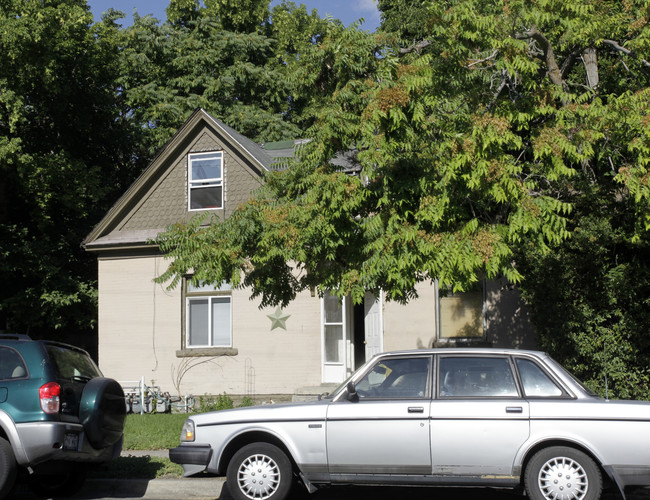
(140,333)
(410,326)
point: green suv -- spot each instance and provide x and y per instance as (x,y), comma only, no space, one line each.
(58,414)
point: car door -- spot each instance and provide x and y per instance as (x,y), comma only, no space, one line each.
(478,419)
(386,429)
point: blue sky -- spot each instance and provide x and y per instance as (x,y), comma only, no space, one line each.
(347,11)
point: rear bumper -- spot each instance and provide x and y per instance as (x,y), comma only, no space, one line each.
(193,457)
(58,441)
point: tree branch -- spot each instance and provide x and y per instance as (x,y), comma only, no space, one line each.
(552,68)
(491,56)
(625,51)
(569,62)
(422,44)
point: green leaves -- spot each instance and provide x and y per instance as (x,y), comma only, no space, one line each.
(62,159)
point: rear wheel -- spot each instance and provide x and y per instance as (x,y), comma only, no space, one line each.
(259,471)
(7,468)
(562,472)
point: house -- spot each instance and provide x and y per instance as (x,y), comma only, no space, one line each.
(210,340)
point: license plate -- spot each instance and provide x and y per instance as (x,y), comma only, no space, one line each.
(71,441)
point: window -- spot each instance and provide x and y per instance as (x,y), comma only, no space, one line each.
(536,383)
(205,180)
(461,314)
(11,364)
(396,378)
(476,377)
(208,316)
(334,331)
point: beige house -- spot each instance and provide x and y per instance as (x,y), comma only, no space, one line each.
(210,341)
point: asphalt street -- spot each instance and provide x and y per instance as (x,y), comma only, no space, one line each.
(212,488)
(205,487)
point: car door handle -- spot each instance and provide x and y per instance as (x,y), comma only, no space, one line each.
(514,409)
(416,409)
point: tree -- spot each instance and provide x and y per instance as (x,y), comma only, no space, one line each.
(408,19)
(170,70)
(472,142)
(64,152)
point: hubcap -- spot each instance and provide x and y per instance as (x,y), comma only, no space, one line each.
(258,477)
(562,478)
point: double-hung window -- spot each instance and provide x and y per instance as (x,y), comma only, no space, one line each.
(208,316)
(205,180)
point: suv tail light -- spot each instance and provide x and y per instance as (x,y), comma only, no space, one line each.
(49,395)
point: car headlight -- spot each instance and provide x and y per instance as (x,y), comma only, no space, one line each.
(187,434)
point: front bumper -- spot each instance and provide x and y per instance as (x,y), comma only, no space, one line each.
(193,457)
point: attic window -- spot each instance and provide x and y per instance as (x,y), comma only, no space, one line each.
(205,181)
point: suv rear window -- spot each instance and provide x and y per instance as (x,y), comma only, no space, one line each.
(69,364)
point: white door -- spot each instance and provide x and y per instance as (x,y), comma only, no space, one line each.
(373,325)
(336,350)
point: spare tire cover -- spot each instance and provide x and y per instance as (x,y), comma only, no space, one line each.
(102,411)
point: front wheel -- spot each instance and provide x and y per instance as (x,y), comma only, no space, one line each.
(562,472)
(259,471)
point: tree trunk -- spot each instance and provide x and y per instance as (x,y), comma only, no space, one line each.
(590,61)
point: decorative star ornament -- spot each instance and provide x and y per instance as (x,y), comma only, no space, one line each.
(278,319)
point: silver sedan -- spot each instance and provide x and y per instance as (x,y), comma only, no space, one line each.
(440,417)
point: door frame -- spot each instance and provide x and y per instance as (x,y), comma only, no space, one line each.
(337,372)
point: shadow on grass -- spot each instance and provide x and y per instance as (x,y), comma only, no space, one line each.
(131,467)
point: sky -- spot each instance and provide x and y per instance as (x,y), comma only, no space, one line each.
(347,11)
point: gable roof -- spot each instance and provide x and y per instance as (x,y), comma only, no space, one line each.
(104,234)
(259,158)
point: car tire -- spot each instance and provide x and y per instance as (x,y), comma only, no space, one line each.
(7,468)
(102,412)
(259,471)
(562,472)
(63,485)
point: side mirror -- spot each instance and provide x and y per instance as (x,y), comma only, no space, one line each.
(352,392)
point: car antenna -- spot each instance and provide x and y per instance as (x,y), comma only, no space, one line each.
(605,370)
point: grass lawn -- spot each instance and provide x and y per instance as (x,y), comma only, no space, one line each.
(158,431)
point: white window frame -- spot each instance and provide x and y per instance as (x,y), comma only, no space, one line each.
(195,184)
(209,293)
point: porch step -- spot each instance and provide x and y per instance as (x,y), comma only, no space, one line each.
(309,393)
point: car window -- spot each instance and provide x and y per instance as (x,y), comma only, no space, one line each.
(11,364)
(476,377)
(70,364)
(535,381)
(396,378)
